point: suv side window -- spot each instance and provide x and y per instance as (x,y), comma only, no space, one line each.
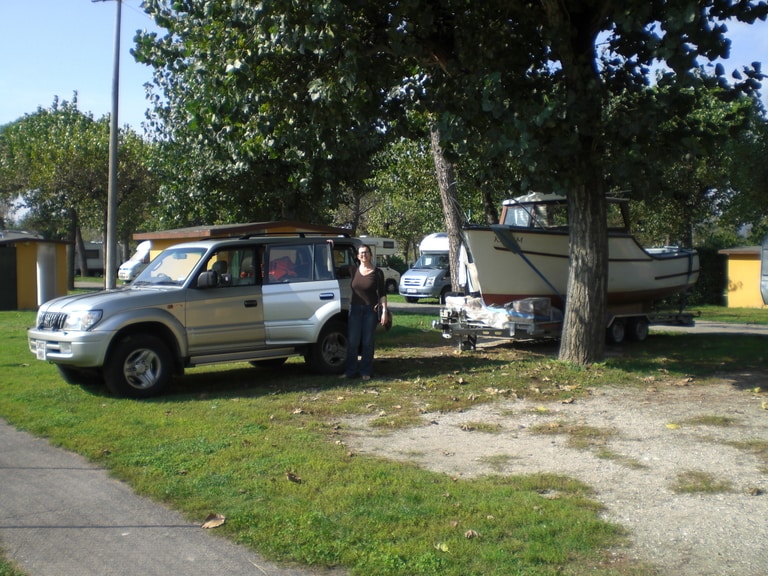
(289,263)
(344,256)
(324,266)
(238,267)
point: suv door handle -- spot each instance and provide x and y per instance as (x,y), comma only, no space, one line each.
(326,296)
(251,303)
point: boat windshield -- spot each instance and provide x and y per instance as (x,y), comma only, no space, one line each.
(172,267)
(536,215)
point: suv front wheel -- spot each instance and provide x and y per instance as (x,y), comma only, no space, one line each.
(328,354)
(140,366)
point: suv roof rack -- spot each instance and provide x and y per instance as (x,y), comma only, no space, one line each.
(293,234)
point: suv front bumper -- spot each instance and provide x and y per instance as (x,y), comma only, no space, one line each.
(83,349)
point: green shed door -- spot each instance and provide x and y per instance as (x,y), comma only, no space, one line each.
(8,286)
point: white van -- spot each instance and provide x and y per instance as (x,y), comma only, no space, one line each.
(135,264)
(430,276)
(94,260)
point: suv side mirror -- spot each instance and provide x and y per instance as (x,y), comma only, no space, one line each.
(208,279)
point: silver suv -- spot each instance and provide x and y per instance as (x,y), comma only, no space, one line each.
(258,300)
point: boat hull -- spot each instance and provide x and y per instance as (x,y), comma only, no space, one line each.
(509,263)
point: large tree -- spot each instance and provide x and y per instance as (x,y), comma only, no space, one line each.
(56,160)
(312,89)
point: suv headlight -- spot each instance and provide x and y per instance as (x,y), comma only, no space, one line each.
(83,320)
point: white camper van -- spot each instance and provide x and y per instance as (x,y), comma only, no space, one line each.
(135,264)
(94,260)
(430,276)
(382,249)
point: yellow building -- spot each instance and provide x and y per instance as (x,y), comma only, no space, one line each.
(743,277)
(33,270)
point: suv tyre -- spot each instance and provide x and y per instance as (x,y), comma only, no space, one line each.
(328,354)
(139,366)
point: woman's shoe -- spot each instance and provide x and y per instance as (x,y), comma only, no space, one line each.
(366,378)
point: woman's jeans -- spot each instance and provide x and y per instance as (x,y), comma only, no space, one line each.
(362,325)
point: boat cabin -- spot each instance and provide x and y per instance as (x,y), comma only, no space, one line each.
(550,212)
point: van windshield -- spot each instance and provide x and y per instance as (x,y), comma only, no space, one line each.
(439,261)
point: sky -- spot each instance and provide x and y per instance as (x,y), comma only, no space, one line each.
(52,48)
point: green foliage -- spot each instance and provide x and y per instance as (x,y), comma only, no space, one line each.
(57,159)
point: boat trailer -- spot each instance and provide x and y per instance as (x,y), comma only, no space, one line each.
(468,318)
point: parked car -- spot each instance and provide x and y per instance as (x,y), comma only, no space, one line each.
(258,300)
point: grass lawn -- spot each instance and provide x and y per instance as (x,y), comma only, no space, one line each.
(225,438)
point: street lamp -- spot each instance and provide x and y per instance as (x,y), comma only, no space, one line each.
(111,264)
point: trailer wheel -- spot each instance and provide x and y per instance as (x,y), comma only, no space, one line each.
(616,331)
(638,328)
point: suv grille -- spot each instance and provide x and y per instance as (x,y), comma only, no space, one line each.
(52,321)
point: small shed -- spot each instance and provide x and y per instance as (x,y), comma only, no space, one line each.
(33,270)
(165,238)
(743,289)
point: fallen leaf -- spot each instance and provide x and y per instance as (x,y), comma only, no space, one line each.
(293,477)
(673,426)
(213,521)
(442,546)
(469,534)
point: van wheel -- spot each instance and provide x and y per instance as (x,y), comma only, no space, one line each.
(391,287)
(444,293)
(328,354)
(140,366)
(616,331)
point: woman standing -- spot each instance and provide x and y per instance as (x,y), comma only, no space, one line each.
(368,289)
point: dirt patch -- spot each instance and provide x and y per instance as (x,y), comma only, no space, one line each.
(639,450)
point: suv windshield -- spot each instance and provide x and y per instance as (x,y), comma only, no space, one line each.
(172,267)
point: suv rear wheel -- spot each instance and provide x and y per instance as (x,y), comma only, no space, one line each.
(328,354)
(140,366)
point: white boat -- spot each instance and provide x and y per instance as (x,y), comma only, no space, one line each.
(526,256)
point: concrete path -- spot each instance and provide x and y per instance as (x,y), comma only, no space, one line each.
(62,516)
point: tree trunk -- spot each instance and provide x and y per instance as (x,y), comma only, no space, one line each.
(574,29)
(74,251)
(583,337)
(446,182)
(490,210)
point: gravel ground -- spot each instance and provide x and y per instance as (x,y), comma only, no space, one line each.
(642,441)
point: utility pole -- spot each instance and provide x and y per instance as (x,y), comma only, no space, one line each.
(111,264)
